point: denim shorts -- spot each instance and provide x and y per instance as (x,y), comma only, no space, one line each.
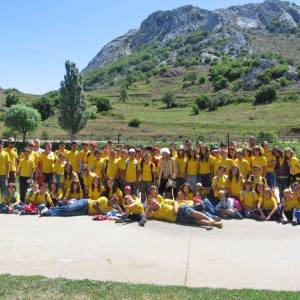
(184,215)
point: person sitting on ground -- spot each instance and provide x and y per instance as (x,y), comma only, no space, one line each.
(41,198)
(34,187)
(267,206)
(185,196)
(249,201)
(134,209)
(219,183)
(111,190)
(169,211)
(55,193)
(74,192)
(155,195)
(10,200)
(96,189)
(225,208)
(289,204)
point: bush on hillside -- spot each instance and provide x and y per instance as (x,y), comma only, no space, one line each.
(169,99)
(203,101)
(134,122)
(12,99)
(266,94)
(220,84)
(102,104)
(195,109)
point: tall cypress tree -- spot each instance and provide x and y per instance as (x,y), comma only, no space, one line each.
(73,114)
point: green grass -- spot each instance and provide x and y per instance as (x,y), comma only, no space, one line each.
(38,287)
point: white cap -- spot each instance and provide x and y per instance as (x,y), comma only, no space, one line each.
(165,150)
(131,150)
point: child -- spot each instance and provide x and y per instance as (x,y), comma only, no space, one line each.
(289,204)
(154,195)
(59,167)
(219,182)
(41,198)
(96,189)
(249,200)
(10,201)
(225,207)
(55,193)
(185,196)
(267,206)
(74,192)
(235,182)
(133,207)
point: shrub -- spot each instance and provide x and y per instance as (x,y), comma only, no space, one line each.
(266,94)
(103,104)
(220,84)
(203,101)
(93,115)
(134,122)
(267,136)
(45,106)
(12,99)
(191,76)
(202,80)
(169,99)
(195,109)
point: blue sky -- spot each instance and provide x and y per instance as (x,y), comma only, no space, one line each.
(38,36)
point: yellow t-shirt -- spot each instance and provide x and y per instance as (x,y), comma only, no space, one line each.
(136,209)
(66,182)
(38,198)
(99,167)
(268,203)
(147,174)
(76,196)
(102,204)
(9,199)
(206,166)
(111,167)
(58,152)
(95,194)
(59,167)
(258,179)
(226,162)
(291,204)
(83,156)
(185,202)
(158,198)
(73,158)
(13,156)
(181,167)
(192,167)
(88,179)
(4,159)
(243,166)
(131,170)
(188,196)
(47,161)
(260,161)
(164,213)
(26,167)
(294,165)
(249,199)
(270,158)
(91,161)
(219,183)
(122,164)
(235,187)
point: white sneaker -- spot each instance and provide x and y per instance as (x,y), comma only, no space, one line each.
(44,211)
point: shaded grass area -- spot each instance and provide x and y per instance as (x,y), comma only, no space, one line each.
(38,287)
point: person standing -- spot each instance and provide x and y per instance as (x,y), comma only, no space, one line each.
(4,168)
(13,157)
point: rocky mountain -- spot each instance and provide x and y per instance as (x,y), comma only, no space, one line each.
(222,30)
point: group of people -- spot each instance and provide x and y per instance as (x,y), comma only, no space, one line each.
(187,184)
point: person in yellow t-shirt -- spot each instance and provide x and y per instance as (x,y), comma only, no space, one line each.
(10,200)
(249,200)
(258,159)
(223,161)
(91,158)
(134,209)
(235,182)
(293,163)
(271,164)
(256,176)
(96,189)
(267,206)
(59,167)
(25,171)
(61,150)
(74,192)
(110,166)
(111,190)
(87,178)
(147,171)
(41,198)
(290,202)
(4,168)
(99,164)
(13,159)
(131,171)
(83,154)
(56,193)
(181,167)
(46,163)
(170,212)
(206,166)
(242,163)
(185,195)
(73,157)
(219,182)
(192,167)
(69,175)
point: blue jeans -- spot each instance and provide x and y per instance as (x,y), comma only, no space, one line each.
(208,208)
(4,209)
(77,208)
(192,180)
(282,184)
(270,177)
(184,215)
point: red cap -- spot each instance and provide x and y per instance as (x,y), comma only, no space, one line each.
(93,143)
(127,189)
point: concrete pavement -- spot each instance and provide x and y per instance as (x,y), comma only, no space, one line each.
(244,254)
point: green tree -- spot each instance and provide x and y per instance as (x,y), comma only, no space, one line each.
(73,114)
(12,99)
(22,119)
(123,93)
(169,99)
(266,94)
(45,106)
(102,104)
